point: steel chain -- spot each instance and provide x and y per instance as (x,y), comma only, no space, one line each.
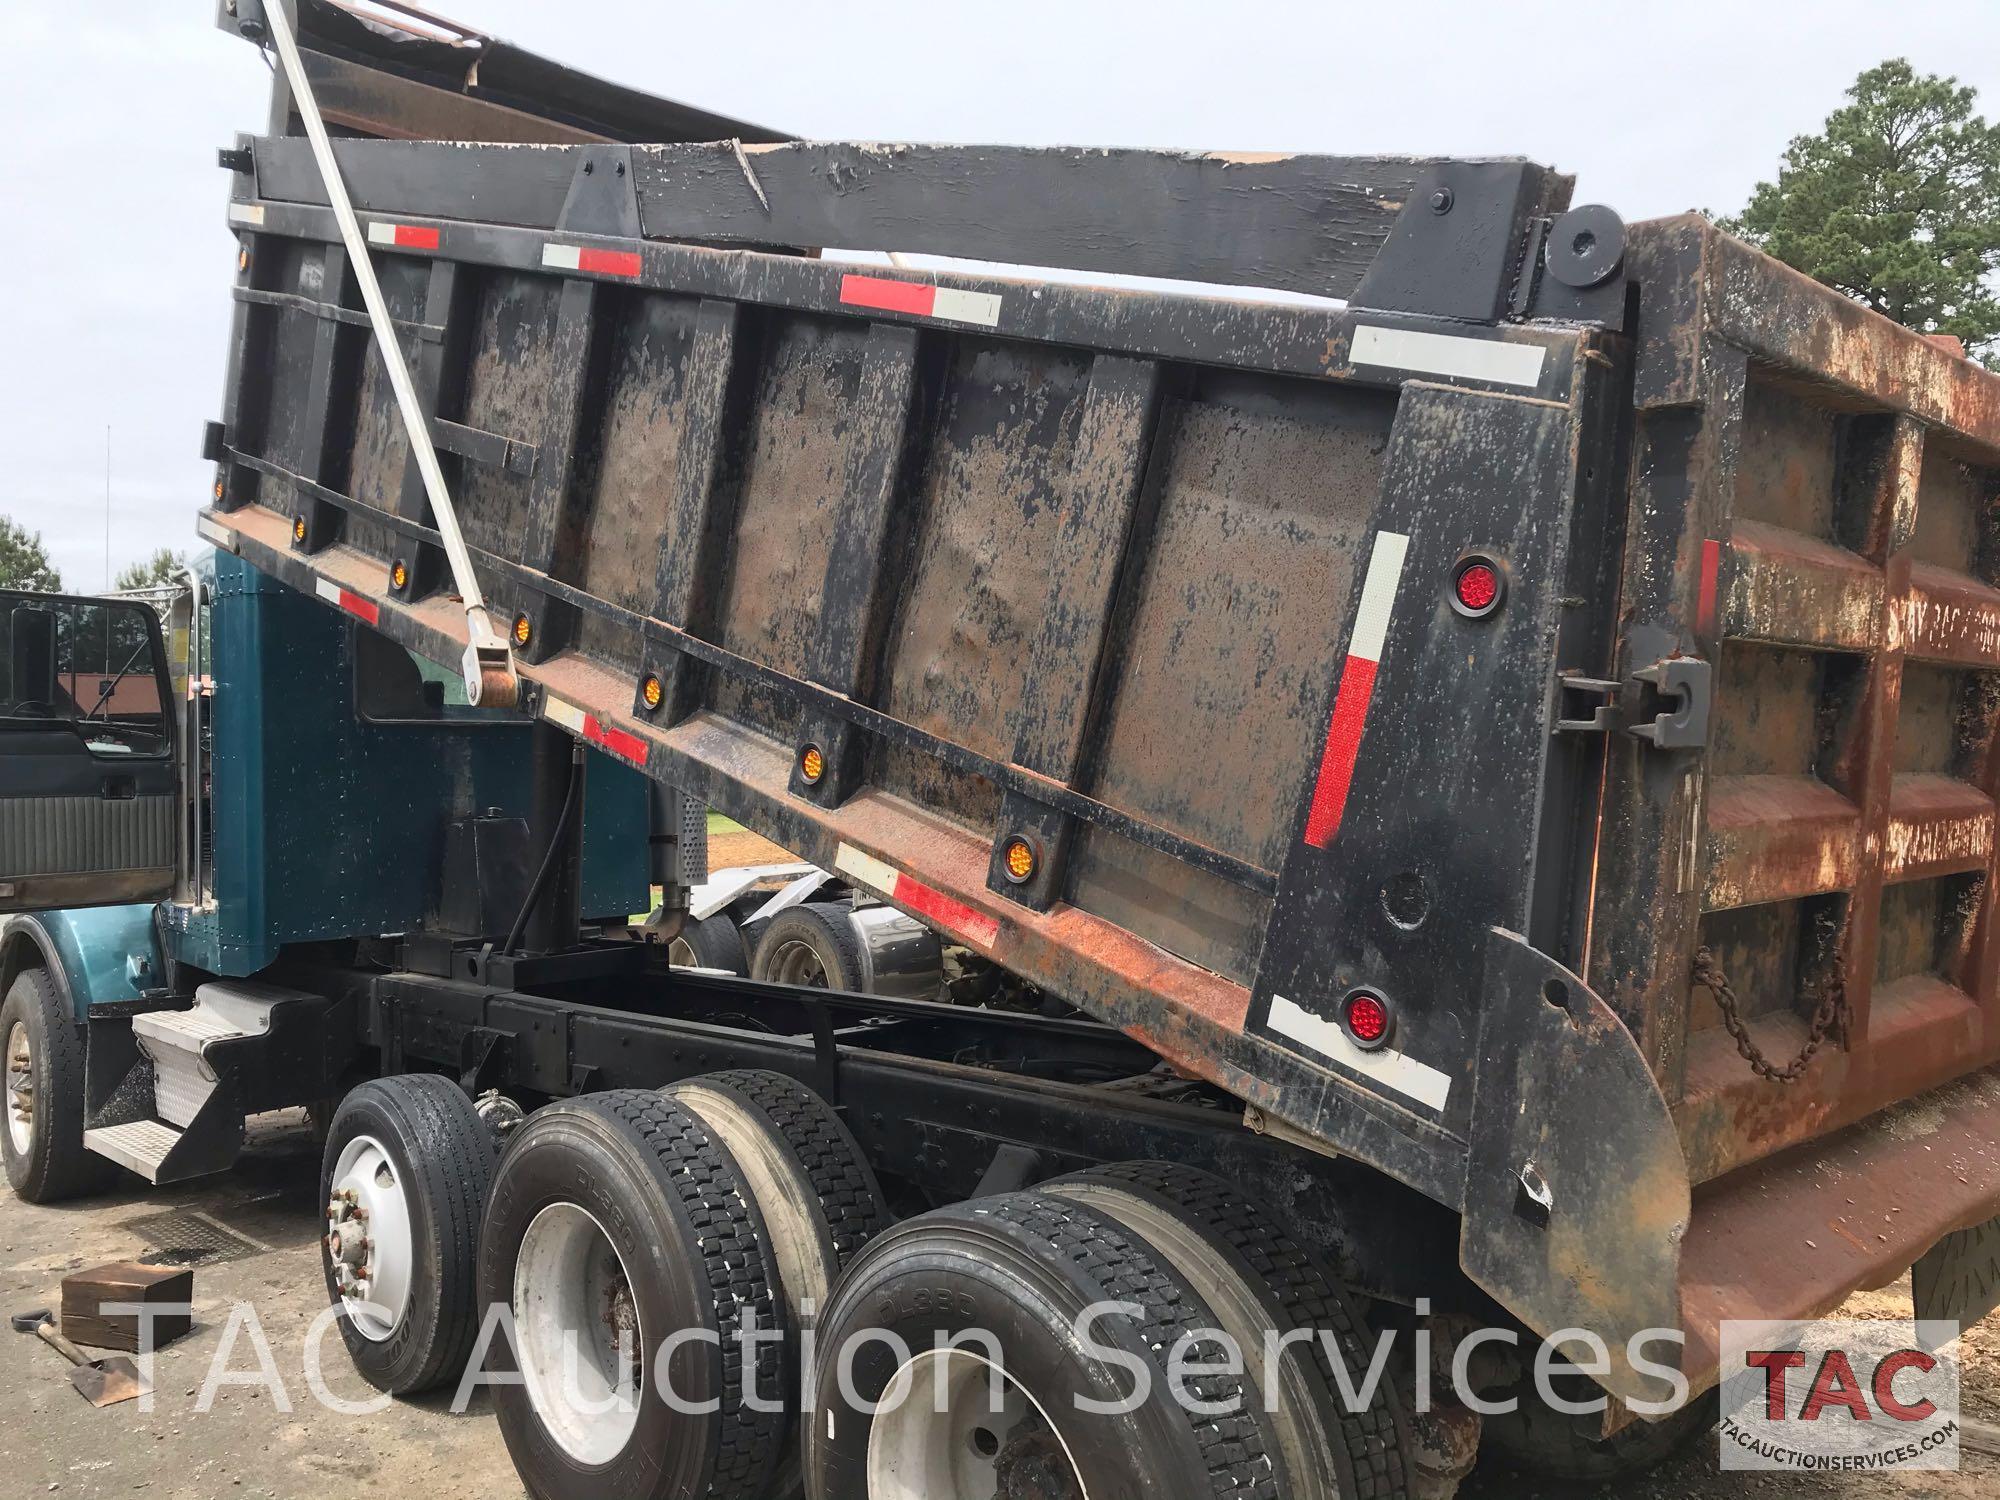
(1829,1019)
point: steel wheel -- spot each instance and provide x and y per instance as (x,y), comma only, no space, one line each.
(966,1430)
(577,1326)
(795,961)
(368,1235)
(20,1089)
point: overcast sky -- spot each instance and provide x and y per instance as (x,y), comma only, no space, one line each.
(115,263)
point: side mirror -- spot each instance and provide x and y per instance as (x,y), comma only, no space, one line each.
(32,655)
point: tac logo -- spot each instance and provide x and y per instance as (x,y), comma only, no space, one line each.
(1839,1395)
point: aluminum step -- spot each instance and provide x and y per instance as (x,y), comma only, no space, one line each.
(140,1146)
(177,1041)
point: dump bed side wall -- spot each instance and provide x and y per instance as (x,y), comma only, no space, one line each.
(1076,566)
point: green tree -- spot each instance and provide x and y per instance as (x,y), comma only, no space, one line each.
(24,561)
(162,567)
(1896,202)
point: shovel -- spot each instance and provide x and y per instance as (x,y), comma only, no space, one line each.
(102,1382)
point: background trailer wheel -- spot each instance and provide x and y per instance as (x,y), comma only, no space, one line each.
(404,1179)
(978,1302)
(1262,1283)
(712,943)
(618,1222)
(42,1137)
(869,950)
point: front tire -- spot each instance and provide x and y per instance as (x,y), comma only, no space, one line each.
(42,1136)
(417,1161)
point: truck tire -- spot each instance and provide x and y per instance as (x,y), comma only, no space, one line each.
(818,1195)
(1566,1447)
(819,1198)
(620,1217)
(1262,1282)
(813,945)
(712,943)
(1003,1284)
(414,1154)
(42,1141)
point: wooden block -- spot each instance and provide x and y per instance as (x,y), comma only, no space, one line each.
(86,1294)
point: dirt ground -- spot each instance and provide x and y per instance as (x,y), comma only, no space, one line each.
(52,1443)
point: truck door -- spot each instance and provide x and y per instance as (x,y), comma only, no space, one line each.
(88,782)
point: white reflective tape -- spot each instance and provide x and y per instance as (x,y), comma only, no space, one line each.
(1378,594)
(1448,354)
(215,532)
(327,589)
(1386,1066)
(966,307)
(566,714)
(878,875)
(247,213)
(381,234)
(563,257)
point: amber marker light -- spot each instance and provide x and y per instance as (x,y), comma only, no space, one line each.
(1019,860)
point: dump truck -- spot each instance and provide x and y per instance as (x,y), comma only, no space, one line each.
(1474,780)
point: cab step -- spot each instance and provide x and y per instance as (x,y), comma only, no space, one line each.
(141,1146)
(178,1040)
(209,1065)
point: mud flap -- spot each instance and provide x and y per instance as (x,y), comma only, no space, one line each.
(1576,1194)
(1958,1278)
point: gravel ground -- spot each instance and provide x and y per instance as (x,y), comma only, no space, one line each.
(51,1442)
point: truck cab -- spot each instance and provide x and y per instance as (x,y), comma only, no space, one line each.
(209,805)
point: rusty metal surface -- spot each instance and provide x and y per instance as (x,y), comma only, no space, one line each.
(1576,1193)
(1795,1236)
(1838,474)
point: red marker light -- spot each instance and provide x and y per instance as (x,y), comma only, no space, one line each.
(1478,587)
(1366,1017)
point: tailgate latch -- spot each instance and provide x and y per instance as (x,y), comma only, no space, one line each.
(1665,704)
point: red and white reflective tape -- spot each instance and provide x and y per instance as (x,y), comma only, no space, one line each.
(624,745)
(593,262)
(248,215)
(403,236)
(885,879)
(364,610)
(920,299)
(1357,687)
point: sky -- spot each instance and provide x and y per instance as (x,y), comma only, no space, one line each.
(115,261)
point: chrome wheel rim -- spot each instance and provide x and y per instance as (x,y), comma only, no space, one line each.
(369,1238)
(20,1090)
(955,1426)
(576,1327)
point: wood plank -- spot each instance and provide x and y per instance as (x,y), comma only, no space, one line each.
(1302,223)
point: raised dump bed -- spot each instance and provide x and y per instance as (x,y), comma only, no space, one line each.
(1489,725)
